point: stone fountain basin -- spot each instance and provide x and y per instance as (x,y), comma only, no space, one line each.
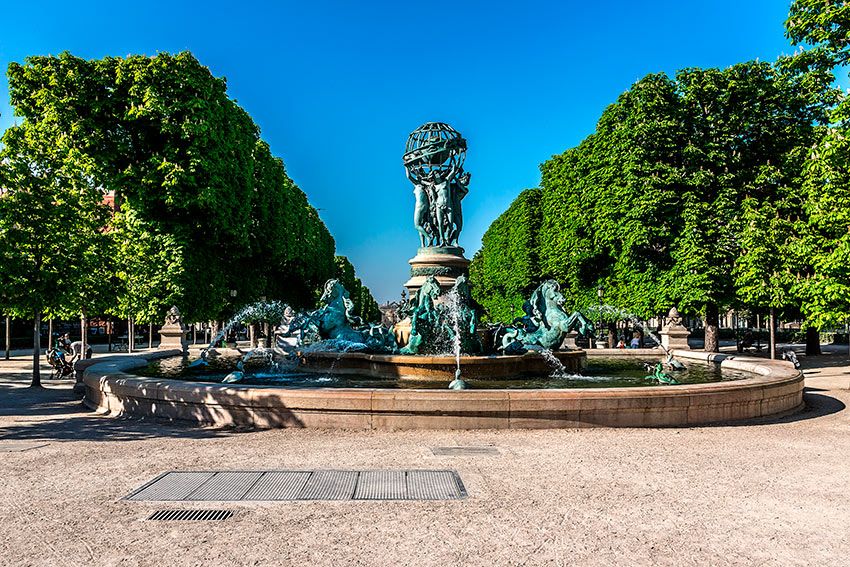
(439,367)
(774,389)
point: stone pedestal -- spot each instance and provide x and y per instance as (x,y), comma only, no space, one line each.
(674,335)
(444,263)
(569,342)
(173,333)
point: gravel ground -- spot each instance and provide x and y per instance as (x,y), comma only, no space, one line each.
(768,493)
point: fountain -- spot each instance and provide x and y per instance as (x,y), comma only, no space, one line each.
(439,367)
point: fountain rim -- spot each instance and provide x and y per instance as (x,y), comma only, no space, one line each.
(775,389)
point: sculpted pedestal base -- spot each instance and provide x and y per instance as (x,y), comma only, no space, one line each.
(173,333)
(445,263)
(674,335)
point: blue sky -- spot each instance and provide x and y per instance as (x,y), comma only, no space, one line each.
(337,86)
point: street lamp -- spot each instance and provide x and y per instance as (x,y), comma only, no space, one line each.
(599,293)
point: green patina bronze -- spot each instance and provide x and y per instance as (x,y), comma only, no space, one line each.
(334,320)
(433,161)
(439,321)
(545,323)
(658,375)
(448,271)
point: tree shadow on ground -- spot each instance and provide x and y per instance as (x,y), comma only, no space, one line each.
(56,413)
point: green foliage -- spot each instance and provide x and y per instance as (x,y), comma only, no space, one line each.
(825,236)
(823,24)
(689,193)
(365,305)
(506,269)
(204,206)
(51,220)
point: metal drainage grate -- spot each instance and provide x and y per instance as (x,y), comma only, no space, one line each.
(227,486)
(464,451)
(190,515)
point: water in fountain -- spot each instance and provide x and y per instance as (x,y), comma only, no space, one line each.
(453,303)
(558,368)
(611,313)
(259,311)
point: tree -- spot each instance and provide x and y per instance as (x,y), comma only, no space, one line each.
(203,202)
(506,270)
(825,240)
(649,207)
(51,222)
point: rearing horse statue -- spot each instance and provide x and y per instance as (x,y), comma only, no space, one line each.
(545,323)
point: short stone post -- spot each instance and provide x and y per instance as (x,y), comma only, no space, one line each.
(569,342)
(674,335)
(173,334)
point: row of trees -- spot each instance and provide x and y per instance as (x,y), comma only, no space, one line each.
(205,212)
(365,305)
(710,189)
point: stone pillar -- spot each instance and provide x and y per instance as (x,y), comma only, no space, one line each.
(173,333)
(445,263)
(674,335)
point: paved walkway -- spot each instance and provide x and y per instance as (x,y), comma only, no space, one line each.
(769,493)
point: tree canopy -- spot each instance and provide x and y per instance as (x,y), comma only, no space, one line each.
(204,207)
(506,268)
(206,215)
(824,27)
(689,193)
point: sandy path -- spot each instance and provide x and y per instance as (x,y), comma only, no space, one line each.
(757,494)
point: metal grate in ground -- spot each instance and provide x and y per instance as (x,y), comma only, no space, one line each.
(464,451)
(229,486)
(191,515)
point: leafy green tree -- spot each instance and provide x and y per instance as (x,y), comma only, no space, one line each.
(649,207)
(822,24)
(610,204)
(203,202)
(506,270)
(51,228)
(825,292)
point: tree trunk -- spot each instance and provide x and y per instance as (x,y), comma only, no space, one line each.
(84,331)
(772,323)
(252,335)
(50,334)
(8,337)
(150,336)
(131,340)
(36,352)
(612,334)
(712,330)
(109,334)
(812,341)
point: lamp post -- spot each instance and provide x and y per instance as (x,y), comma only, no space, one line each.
(599,293)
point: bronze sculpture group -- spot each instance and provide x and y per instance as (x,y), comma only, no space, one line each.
(441,319)
(433,162)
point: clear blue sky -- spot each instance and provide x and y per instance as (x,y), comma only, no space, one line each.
(337,86)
